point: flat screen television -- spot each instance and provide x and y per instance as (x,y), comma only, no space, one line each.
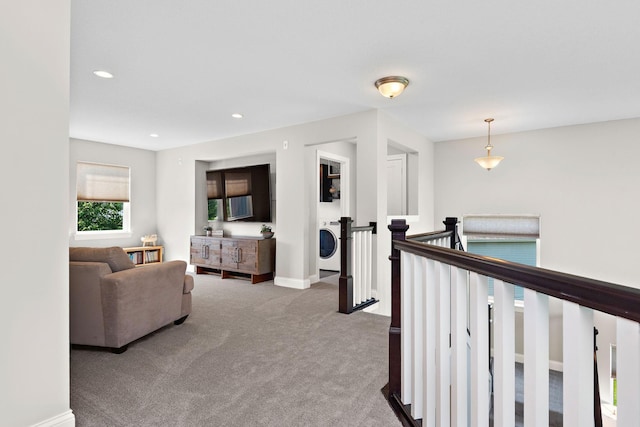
(240,194)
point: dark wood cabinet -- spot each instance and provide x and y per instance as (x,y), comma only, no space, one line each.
(234,256)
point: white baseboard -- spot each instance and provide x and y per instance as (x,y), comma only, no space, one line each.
(66,419)
(554,365)
(314,279)
(373,308)
(287,282)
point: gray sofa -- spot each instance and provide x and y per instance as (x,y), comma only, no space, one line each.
(112,302)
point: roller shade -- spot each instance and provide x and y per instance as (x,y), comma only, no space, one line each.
(237,183)
(501,226)
(214,185)
(102,183)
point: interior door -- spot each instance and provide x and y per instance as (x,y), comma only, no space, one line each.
(397,184)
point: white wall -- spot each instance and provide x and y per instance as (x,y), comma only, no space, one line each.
(34,106)
(392,131)
(296,226)
(142,164)
(329,210)
(176,191)
(582,180)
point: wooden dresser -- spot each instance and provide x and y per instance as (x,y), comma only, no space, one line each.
(234,256)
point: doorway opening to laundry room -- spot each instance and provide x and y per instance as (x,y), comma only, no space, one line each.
(333,203)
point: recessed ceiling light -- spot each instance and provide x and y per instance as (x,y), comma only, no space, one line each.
(154,135)
(237,115)
(103,74)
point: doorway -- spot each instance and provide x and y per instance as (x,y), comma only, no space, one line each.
(397,184)
(332,203)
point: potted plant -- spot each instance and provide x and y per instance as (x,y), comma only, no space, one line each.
(266,231)
(207,230)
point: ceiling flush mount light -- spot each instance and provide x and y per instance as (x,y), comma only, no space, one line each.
(154,135)
(489,162)
(237,116)
(103,74)
(391,86)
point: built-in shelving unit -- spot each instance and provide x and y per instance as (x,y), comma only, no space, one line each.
(141,255)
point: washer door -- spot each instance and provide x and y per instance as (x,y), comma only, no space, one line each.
(328,243)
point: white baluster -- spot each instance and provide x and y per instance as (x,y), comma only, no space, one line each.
(536,359)
(503,355)
(429,378)
(577,383)
(367,268)
(419,341)
(406,337)
(443,352)
(479,291)
(628,372)
(355,259)
(459,373)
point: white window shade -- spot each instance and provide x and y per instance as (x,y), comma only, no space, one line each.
(501,226)
(102,183)
(237,184)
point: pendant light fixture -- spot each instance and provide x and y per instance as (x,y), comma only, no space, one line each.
(391,86)
(489,162)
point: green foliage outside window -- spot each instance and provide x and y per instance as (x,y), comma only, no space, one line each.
(213,209)
(100,216)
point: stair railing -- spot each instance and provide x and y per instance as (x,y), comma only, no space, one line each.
(439,315)
(356,267)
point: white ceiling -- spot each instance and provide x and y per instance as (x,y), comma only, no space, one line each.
(183,67)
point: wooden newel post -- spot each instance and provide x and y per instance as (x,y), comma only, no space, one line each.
(345,283)
(398,228)
(451,224)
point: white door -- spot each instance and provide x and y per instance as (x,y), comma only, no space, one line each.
(397,184)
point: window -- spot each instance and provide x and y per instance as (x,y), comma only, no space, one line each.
(214,196)
(520,251)
(510,237)
(102,195)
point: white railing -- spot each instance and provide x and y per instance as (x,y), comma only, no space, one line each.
(356,252)
(361,254)
(443,349)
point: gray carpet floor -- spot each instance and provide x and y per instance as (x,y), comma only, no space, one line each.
(249,355)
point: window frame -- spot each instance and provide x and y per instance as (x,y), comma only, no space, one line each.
(125,232)
(531,233)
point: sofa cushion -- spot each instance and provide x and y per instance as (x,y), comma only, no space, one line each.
(115,256)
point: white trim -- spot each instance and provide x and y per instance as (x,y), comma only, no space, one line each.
(65,419)
(288,282)
(314,278)
(96,235)
(554,365)
(345,180)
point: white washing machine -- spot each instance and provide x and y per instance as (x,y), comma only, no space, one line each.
(329,245)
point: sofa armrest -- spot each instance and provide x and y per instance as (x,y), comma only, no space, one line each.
(85,302)
(140,300)
(188,284)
